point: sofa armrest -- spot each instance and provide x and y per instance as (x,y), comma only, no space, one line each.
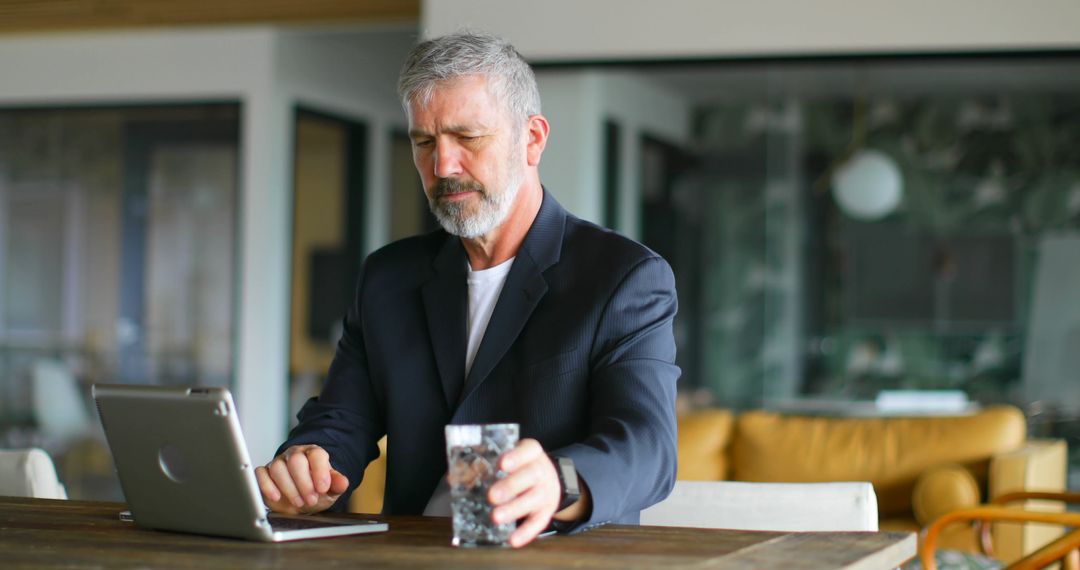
(1039,465)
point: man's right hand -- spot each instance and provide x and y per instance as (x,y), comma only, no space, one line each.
(300,480)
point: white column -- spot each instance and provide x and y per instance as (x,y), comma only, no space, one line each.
(261,387)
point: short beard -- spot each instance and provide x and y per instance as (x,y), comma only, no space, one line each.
(492,207)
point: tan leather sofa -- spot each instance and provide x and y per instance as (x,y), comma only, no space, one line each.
(921,467)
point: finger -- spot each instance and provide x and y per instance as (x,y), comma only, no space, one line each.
(338,483)
(533,501)
(279,472)
(300,470)
(529,530)
(506,489)
(319,461)
(270,492)
(527,450)
(538,472)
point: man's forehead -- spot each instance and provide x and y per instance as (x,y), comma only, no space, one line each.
(454,117)
(457,128)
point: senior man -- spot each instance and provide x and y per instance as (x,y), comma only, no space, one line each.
(515,311)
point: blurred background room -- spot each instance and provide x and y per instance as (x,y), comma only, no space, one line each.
(860,201)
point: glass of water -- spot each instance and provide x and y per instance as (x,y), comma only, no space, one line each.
(472,456)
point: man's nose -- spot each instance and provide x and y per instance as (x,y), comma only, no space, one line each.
(447,160)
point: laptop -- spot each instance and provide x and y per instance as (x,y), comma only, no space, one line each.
(184,466)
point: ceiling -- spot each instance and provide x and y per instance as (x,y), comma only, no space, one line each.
(704,82)
(18,16)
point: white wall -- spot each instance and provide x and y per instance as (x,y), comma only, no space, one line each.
(268,71)
(635,29)
(353,75)
(576,104)
(133,66)
(569,166)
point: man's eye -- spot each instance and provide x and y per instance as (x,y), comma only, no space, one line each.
(422,143)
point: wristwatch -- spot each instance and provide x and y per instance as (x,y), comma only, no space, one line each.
(568,481)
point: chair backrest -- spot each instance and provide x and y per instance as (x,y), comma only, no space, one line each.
(796,507)
(59,404)
(29,473)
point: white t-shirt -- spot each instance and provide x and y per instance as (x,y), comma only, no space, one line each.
(484,289)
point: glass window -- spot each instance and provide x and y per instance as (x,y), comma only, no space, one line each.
(871,225)
(117,264)
(328,231)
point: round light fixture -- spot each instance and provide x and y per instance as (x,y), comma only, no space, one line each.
(868,186)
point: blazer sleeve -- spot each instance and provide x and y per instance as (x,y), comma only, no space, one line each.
(628,459)
(346,418)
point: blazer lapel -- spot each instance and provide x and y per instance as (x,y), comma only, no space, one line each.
(524,287)
(522,291)
(445,302)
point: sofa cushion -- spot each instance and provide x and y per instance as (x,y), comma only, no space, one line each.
(889,452)
(943,489)
(704,437)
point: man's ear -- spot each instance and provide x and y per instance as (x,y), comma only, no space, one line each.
(536,134)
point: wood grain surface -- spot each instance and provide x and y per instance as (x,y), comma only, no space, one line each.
(53,15)
(40,533)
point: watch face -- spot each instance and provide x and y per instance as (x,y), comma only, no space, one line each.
(568,476)
(568,472)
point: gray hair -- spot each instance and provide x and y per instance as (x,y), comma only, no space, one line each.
(466,53)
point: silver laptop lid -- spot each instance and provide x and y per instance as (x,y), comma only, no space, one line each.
(182,461)
(184,466)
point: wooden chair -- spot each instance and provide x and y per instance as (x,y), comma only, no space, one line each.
(1065,549)
(794,507)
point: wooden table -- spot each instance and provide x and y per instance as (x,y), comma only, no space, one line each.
(40,533)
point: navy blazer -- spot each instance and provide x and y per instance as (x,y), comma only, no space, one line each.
(579,351)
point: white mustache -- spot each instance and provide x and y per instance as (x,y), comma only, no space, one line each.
(449,186)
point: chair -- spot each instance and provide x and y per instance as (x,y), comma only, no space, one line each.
(794,507)
(59,403)
(1065,549)
(29,473)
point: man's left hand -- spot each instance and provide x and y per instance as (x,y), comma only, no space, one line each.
(530,491)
